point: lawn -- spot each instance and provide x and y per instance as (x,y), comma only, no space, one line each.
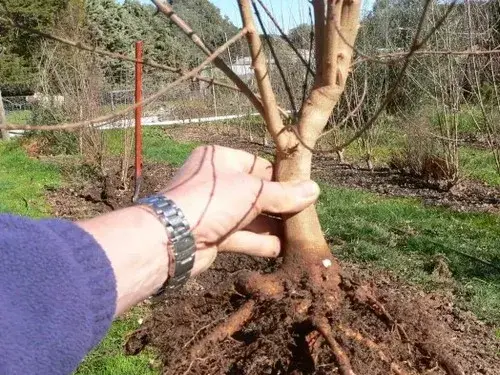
(108,358)
(405,237)
(21,117)
(157,146)
(480,165)
(23,182)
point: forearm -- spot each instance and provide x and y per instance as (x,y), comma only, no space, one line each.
(135,243)
(58,295)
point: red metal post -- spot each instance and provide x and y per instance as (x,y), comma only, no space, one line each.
(138,115)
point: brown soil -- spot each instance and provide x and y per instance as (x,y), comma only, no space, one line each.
(272,343)
(467,195)
(426,334)
(89,197)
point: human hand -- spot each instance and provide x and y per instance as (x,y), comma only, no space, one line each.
(223,193)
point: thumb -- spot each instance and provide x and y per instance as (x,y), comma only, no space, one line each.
(287,197)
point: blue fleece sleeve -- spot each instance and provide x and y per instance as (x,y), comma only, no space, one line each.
(57,295)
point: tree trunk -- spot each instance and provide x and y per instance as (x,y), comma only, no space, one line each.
(306,252)
(3,120)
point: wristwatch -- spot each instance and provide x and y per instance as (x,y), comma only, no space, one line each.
(181,246)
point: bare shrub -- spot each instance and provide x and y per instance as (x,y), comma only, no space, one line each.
(424,157)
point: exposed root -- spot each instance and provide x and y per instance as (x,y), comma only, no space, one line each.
(353,335)
(444,360)
(323,327)
(287,326)
(233,324)
(363,295)
(260,286)
(314,341)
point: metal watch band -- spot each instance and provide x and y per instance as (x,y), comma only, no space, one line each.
(183,245)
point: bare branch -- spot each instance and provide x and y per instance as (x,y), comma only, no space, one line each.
(311,44)
(288,89)
(331,43)
(102,120)
(116,56)
(168,11)
(353,112)
(416,45)
(286,38)
(389,57)
(330,85)
(271,114)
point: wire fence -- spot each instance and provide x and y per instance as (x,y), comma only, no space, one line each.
(190,101)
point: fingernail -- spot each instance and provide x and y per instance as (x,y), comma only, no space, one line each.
(310,189)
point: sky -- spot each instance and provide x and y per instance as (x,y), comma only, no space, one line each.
(289,13)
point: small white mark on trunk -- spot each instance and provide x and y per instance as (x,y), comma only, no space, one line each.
(327,263)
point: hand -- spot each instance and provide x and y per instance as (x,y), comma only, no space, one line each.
(223,193)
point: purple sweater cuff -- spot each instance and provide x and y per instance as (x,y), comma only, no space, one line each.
(57,295)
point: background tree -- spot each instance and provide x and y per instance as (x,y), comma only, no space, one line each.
(19,48)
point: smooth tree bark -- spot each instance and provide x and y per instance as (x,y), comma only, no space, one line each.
(306,250)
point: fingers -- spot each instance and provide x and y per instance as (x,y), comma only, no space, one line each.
(287,197)
(250,243)
(245,162)
(264,224)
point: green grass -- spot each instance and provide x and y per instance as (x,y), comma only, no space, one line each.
(157,146)
(405,237)
(108,358)
(465,120)
(21,117)
(23,182)
(480,165)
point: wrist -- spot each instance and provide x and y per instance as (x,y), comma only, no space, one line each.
(181,245)
(135,243)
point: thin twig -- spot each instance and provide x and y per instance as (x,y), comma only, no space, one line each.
(392,56)
(288,89)
(102,120)
(286,38)
(416,45)
(311,44)
(116,56)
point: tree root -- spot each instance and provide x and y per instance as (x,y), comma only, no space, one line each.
(323,327)
(305,303)
(356,336)
(233,324)
(365,296)
(444,360)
